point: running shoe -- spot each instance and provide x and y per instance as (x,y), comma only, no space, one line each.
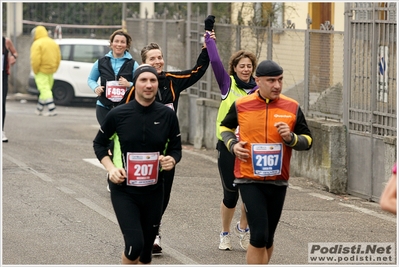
(225,241)
(243,235)
(4,137)
(108,189)
(157,249)
(51,113)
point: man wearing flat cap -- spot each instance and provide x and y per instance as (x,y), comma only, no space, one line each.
(270,126)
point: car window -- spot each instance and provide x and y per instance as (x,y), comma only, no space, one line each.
(102,50)
(88,53)
(65,51)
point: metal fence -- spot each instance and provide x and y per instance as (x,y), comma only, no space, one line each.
(371,95)
(373,82)
(313,60)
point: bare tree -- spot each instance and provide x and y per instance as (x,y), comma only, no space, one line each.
(255,20)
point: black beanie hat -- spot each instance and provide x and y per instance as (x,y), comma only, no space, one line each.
(143,68)
(268,68)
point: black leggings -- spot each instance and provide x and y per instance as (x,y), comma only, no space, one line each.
(167,189)
(5,92)
(167,183)
(263,204)
(138,216)
(101,112)
(226,171)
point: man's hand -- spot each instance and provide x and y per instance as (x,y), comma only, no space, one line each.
(240,151)
(284,131)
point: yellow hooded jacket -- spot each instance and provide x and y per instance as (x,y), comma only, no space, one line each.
(45,53)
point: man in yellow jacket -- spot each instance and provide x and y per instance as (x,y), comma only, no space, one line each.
(45,58)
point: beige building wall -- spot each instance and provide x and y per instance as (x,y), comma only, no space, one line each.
(288,46)
(246,8)
(297,12)
(148,7)
(339,16)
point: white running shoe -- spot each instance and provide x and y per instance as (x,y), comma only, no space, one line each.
(4,137)
(108,189)
(50,113)
(225,242)
(38,112)
(243,236)
(157,249)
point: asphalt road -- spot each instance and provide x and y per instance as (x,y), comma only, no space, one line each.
(56,209)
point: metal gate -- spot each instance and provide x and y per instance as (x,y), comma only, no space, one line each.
(370,110)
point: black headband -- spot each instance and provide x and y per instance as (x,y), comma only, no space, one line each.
(143,68)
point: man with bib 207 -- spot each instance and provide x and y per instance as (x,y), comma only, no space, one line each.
(269,126)
(150,142)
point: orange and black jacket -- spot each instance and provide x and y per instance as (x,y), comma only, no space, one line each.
(172,83)
(256,117)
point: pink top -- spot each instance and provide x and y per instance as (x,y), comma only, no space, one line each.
(394,169)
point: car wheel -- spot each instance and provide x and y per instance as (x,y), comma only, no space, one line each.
(62,93)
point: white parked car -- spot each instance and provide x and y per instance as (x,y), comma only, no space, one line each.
(77,58)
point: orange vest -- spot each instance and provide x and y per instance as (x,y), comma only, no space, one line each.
(256,119)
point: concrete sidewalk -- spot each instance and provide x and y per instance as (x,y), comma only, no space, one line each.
(21,96)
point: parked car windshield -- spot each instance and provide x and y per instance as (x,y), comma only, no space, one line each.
(83,53)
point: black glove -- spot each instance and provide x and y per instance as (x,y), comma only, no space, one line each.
(209,21)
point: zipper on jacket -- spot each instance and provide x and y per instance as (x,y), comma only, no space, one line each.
(267,116)
(160,95)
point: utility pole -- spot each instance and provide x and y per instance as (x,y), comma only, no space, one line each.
(14,20)
(14,30)
(188,36)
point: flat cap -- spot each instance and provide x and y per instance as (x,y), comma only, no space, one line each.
(268,68)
